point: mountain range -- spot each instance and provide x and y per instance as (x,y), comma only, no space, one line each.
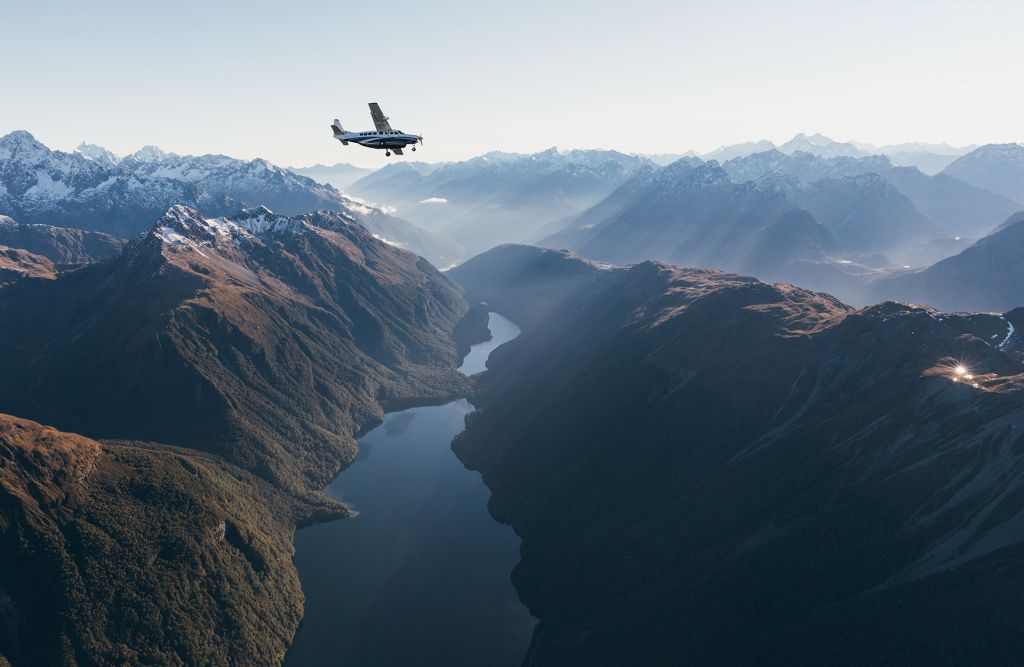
(995,167)
(700,463)
(251,321)
(253,348)
(959,208)
(341,175)
(95,190)
(987,276)
(499,197)
(704,465)
(879,215)
(858,225)
(692,213)
(929,158)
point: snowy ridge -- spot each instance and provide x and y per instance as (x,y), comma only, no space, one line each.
(92,188)
(98,154)
(184,226)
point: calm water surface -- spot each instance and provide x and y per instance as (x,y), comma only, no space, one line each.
(421,575)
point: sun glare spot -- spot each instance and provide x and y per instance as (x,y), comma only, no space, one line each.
(960,370)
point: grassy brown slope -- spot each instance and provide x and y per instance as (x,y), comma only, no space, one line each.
(16,264)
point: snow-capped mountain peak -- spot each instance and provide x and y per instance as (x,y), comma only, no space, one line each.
(88,189)
(150,154)
(98,154)
(20,146)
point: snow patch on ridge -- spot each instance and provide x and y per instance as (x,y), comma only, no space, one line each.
(47,188)
(1009,334)
(384,240)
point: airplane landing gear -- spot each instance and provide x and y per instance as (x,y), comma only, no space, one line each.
(414,149)
(387,153)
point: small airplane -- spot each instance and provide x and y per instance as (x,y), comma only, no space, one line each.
(384,137)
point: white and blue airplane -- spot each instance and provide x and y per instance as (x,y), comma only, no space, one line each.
(383,137)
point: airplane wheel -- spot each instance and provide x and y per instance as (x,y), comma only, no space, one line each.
(413,149)
(387,154)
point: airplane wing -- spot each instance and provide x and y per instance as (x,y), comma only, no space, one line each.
(380,121)
(397,151)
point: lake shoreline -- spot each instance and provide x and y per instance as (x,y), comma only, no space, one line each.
(424,541)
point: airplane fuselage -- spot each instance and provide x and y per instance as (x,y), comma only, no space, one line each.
(386,140)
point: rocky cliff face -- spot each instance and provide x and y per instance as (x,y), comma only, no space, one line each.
(707,466)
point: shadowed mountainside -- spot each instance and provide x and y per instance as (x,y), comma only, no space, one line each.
(704,465)
(60,245)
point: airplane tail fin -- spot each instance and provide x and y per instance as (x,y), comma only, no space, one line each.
(338,130)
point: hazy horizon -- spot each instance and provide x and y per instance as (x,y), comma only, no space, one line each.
(485,151)
(256,80)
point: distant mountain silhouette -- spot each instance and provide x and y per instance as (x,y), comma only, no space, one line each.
(340,175)
(499,197)
(959,208)
(693,214)
(987,276)
(995,167)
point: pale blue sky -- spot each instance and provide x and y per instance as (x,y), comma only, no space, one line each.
(266,78)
